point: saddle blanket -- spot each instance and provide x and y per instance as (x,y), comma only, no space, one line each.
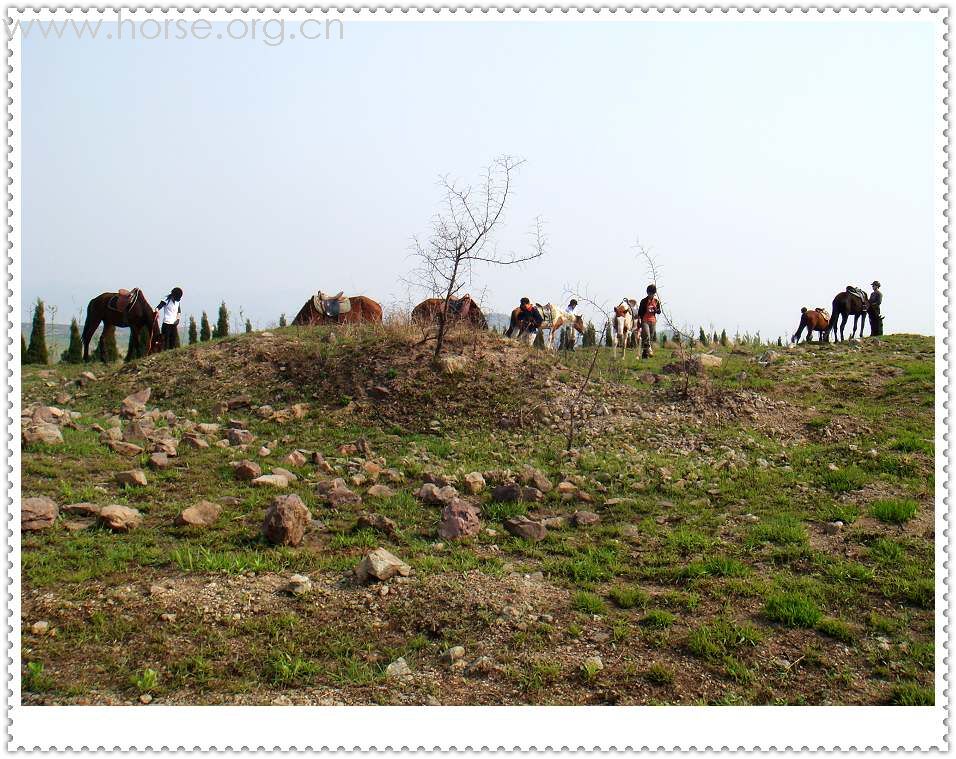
(826,314)
(332,305)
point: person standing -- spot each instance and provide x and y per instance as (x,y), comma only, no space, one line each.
(647,313)
(168,310)
(876,301)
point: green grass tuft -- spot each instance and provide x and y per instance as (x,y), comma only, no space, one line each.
(792,609)
(894,510)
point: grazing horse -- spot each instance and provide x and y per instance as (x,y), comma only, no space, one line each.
(850,301)
(361,309)
(126,308)
(460,310)
(622,326)
(527,322)
(813,320)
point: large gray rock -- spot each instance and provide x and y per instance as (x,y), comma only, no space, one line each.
(286,521)
(380,565)
(37,513)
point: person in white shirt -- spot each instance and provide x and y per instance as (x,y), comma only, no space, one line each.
(168,309)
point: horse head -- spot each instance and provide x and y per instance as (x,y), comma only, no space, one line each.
(579,323)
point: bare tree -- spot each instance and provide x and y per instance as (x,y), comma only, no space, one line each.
(462,235)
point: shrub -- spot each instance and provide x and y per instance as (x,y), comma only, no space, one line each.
(590,336)
(629,596)
(248,326)
(73,354)
(23,349)
(137,348)
(588,603)
(702,337)
(792,609)
(193,332)
(894,510)
(723,338)
(222,323)
(110,352)
(282,321)
(539,339)
(36,352)
(204,334)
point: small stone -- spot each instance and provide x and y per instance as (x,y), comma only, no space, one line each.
(398,668)
(296,458)
(239,437)
(145,698)
(135,404)
(453,654)
(459,520)
(37,514)
(83,509)
(40,628)
(285,473)
(833,528)
(380,565)
(194,441)
(377,522)
(286,521)
(120,518)
(536,478)
(203,514)
(474,482)
(159,461)
(584,518)
(481,666)
(271,481)
(833,467)
(525,528)
(132,477)
(299,585)
(247,471)
(380,491)
(264,451)
(48,434)
(125,449)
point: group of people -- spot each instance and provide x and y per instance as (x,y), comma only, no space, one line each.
(644,315)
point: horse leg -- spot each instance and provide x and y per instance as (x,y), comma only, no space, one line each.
(89,329)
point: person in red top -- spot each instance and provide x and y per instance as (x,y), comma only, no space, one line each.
(647,313)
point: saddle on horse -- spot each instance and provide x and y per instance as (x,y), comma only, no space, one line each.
(124,300)
(331,306)
(859,293)
(826,314)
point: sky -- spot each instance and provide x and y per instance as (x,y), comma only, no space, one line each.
(766,164)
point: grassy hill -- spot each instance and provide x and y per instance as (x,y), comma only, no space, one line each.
(765,537)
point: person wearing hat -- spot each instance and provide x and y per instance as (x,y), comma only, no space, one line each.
(876,300)
(647,313)
(168,310)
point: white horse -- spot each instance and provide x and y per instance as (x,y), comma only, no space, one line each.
(555,318)
(622,326)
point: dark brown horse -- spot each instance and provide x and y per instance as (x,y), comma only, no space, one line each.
(813,320)
(362,310)
(123,309)
(461,310)
(846,304)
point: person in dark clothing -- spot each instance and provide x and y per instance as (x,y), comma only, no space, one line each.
(168,311)
(873,310)
(647,313)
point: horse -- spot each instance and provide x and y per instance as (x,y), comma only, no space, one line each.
(553,318)
(622,326)
(460,310)
(525,321)
(813,320)
(844,304)
(120,309)
(361,309)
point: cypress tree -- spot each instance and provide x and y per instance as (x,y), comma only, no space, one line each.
(37,353)
(204,333)
(702,337)
(715,339)
(590,336)
(663,340)
(137,348)
(248,326)
(23,349)
(608,339)
(723,338)
(779,343)
(539,339)
(282,321)
(222,324)
(108,342)
(73,354)
(193,332)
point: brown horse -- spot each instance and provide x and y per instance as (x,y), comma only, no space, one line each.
(845,304)
(362,310)
(462,310)
(123,309)
(813,320)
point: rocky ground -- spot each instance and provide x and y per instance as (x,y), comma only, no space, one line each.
(313,517)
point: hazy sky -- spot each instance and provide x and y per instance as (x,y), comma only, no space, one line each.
(767,163)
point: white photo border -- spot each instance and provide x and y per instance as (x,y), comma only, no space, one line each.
(526,728)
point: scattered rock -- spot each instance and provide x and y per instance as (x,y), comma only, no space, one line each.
(248,470)
(125,449)
(522,527)
(131,477)
(453,654)
(41,627)
(83,509)
(474,482)
(506,493)
(49,434)
(296,458)
(459,519)
(380,565)
(584,518)
(437,496)
(194,441)
(377,522)
(453,364)
(833,528)
(134,405)
(120,518)
(536,478)
(398,668)
(37,514)
(481,666)
(381,491)
(240,401)
(709,360)
(239,437)
(271,481)
(285,473)
(159,461)
(286,521)
(299,585)
(203,514)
